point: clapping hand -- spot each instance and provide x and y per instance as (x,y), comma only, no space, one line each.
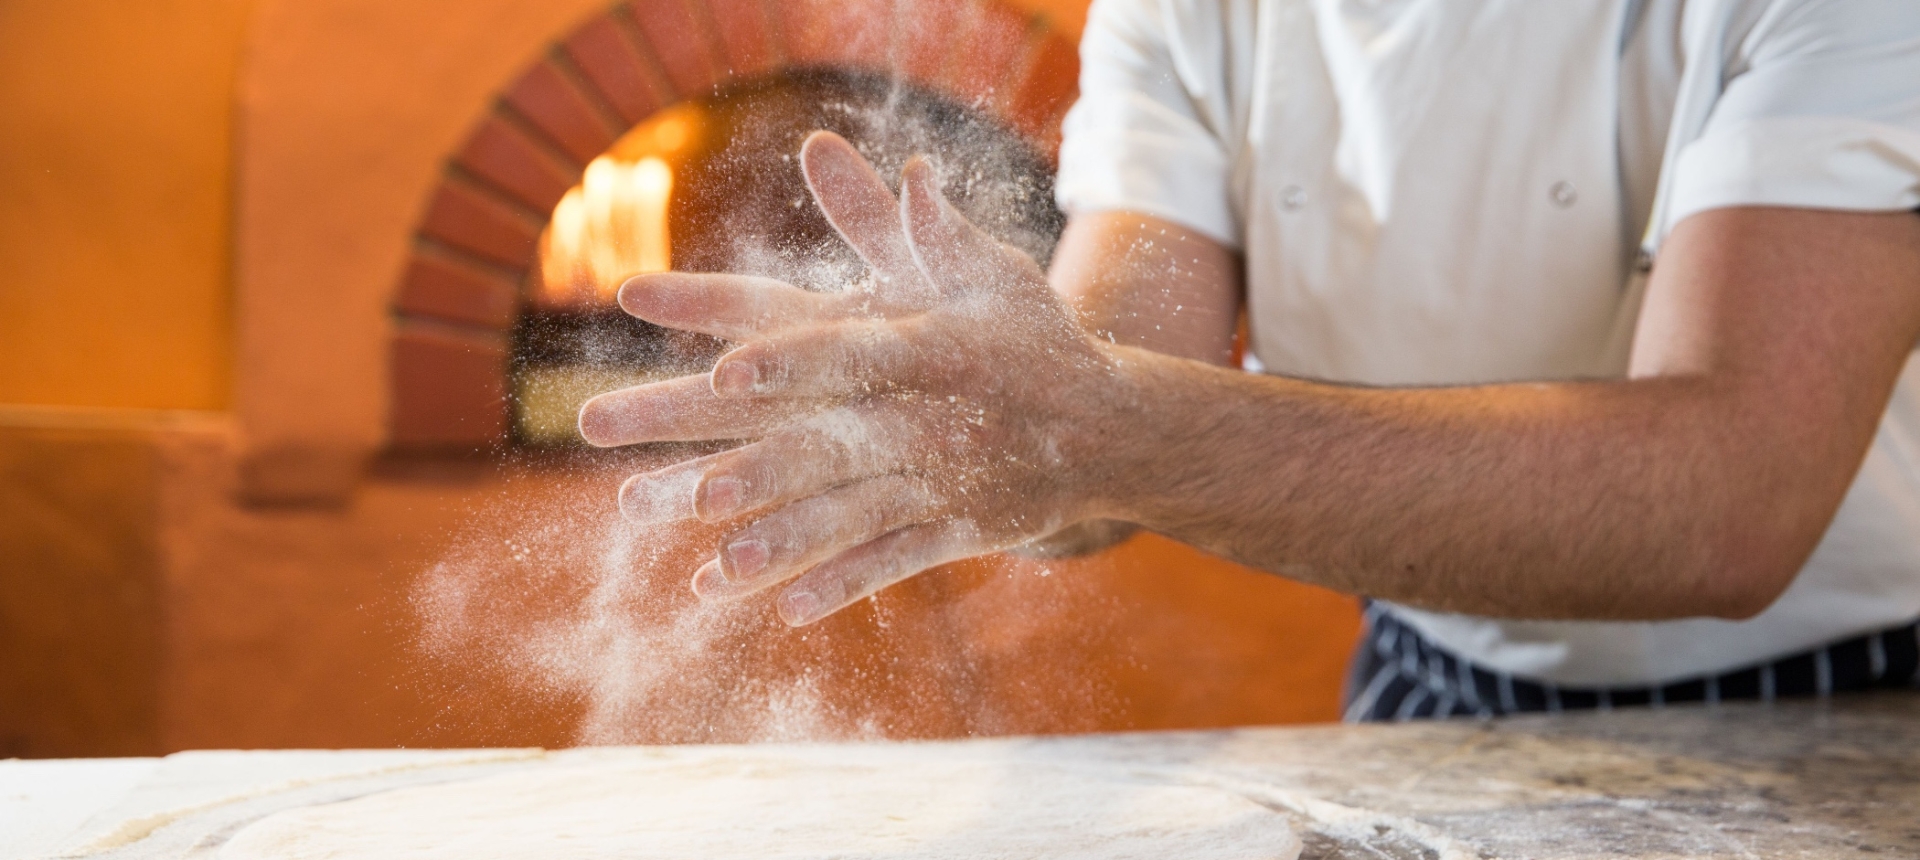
(951,406)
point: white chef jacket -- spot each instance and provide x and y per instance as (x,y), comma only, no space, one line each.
(1446,192)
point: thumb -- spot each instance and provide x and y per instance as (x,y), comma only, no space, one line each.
(857,203)
(955,255)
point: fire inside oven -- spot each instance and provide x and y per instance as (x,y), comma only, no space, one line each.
(715,185)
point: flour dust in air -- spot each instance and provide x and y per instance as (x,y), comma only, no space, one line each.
(547,590)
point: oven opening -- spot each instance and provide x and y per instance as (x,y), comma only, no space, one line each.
(714,185)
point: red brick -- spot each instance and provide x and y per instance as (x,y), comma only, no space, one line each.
(869,27)
(467,219)
(449,388)
(807,38)
(608,60)
(448,290)
(506,158)
(989,55)
(929,30)
(840,33)
(680,42)
(746,36)
(1048,88)
(551,101)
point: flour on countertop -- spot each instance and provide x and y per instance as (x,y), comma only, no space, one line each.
(868,802)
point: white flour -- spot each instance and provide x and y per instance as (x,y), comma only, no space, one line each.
(873,802)
(560,597)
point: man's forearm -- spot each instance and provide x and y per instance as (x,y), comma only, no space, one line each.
(1768,345)
(963,408)
(1633,499)
(1140,281)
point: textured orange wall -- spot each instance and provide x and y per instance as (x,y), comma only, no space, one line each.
(115,126)
(115,156)
(1068,15)
(298,628)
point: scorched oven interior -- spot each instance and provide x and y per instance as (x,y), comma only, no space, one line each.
(713,185)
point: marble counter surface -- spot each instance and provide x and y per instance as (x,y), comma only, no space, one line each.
(1789,780)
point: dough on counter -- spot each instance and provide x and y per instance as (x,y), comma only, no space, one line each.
(741,803)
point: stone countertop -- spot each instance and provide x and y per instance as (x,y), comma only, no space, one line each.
(1788,780)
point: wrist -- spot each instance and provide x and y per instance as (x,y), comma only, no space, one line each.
(1128,442)
(1081,539)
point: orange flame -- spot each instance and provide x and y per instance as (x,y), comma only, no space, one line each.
(611,226)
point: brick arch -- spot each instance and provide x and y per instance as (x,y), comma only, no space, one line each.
(477,240)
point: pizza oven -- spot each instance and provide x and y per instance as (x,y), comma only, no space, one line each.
(401,288)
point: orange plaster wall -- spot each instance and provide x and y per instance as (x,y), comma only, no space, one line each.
(116,143)
(1068,15)
(299,628)
(346,113)
(115,127)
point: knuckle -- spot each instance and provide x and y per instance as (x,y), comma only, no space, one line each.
(876,573)
(847,364)
(763,480)
(772,368)
(783,541)
(876,518)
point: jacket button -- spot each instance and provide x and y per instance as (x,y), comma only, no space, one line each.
(1563,194)
(1292,198)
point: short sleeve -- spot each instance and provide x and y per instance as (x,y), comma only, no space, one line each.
(1139,138)
(1821,109)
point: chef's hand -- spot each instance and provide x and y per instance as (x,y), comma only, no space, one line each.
(950,408)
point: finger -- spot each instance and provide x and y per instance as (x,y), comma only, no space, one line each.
(707,579)
(811,530)
(682,410)
(663,495)
(833,584)
(826,362)
(733,307)
(857,203)
(838,446)
(949,249)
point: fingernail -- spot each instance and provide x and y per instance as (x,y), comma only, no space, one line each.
(747,558)
(723,497)
(798,606)
(595,423)
(736,377)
